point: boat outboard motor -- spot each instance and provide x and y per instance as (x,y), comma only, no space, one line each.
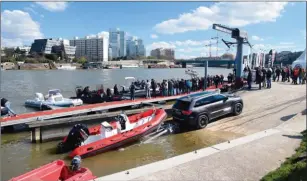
(76,163)
(78,134)
(4,111)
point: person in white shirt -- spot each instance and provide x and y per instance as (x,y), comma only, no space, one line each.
(147,88)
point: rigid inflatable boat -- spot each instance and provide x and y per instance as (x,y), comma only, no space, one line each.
(53,99)
(94,96)
(86,142)
(56,171)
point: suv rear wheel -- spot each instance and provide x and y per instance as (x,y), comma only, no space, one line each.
(202,121)
(237,109)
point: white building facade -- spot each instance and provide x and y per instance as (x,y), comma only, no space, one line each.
(94,49)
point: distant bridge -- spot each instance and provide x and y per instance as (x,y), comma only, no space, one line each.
(206,62)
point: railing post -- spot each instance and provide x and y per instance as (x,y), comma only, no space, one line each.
(205,76)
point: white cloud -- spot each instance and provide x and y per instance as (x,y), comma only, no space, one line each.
(17,27)
(257,38)
(191,43)
(161,44)
(154,36)
(279,47)
(103,34)
(28,9)
(236,14)
(53,6)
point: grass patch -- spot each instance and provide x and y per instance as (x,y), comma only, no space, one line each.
(294,168)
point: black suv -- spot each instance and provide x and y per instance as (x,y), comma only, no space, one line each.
(198,109)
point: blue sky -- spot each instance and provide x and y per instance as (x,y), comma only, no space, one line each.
(184,26)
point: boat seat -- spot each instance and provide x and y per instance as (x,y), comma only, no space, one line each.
(107,130)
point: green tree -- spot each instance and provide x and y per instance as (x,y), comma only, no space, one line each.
(53,57)
(82,60)
(9,52)
(17,50)
(151,57)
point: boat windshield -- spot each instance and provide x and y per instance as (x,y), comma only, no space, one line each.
(129,80)
(54,92)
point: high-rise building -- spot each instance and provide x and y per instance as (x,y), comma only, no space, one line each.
(58,46)
(122,44)
(135,48)
(163,53)
(95,49)
(117,43)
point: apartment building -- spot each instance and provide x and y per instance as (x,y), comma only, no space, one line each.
(95,49)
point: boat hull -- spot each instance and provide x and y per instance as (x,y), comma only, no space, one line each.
(45,105)
(123,138)
(120,144)
(56,170)
(38,104)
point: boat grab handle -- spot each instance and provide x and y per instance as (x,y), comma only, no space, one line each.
(89,149)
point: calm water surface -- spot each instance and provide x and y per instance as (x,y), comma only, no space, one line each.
(20,85)
(18,155)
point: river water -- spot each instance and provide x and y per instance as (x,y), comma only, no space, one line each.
(19,155)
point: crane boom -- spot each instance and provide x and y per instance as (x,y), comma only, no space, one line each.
(223,28)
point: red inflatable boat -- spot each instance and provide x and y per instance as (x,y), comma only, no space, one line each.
(86,142)
(56,171)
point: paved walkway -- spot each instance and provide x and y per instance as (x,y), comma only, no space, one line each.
(246,158)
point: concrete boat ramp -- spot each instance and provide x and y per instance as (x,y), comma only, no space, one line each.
(246,158)
(272,120)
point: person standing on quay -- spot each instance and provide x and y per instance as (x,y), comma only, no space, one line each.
(263,77)
(300,75)
(288,71)
(277,73)
(268,78)
(258,77)
(132,91)
(249,79)
(147,88)
(154,87)
(283,75)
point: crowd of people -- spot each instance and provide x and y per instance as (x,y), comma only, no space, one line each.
(170,87)
(264,77)
(173,87)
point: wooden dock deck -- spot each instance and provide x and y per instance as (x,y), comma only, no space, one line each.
(72,111)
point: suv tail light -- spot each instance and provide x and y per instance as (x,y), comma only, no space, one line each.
(187,112)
